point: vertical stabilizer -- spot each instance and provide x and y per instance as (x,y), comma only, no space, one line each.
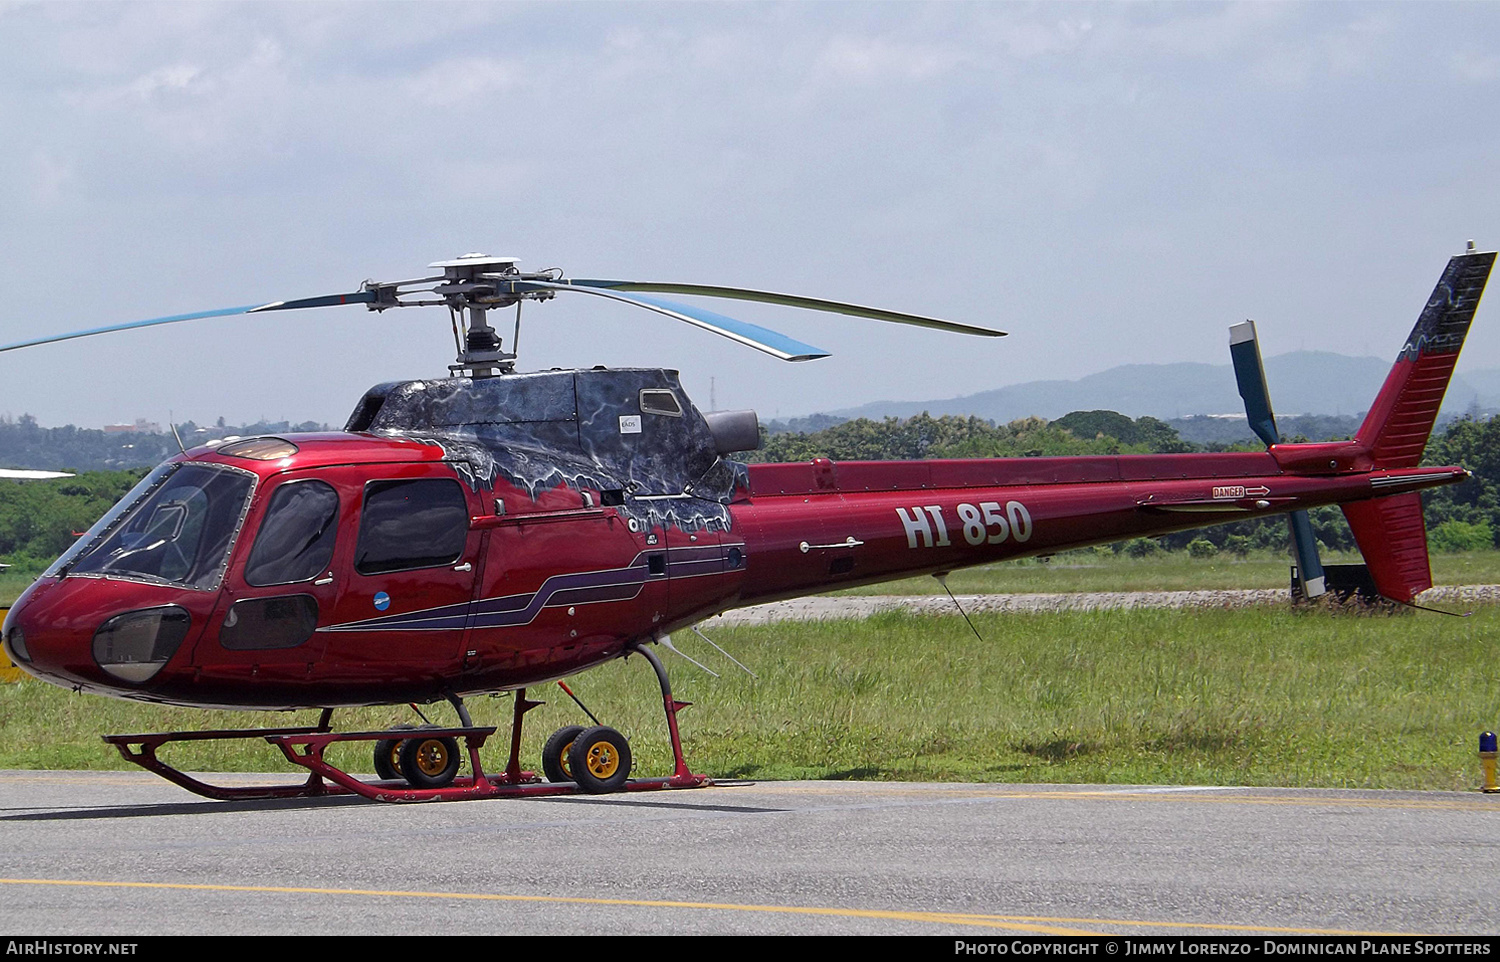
(1392,536)
(1396,429)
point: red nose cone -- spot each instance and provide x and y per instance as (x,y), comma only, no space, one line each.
(102,634)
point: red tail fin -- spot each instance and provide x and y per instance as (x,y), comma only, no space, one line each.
(1396,429)
(1393,538)
(1391,532)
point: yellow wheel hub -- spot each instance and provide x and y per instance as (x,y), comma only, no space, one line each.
(562,761)
(603,760)
(432,758)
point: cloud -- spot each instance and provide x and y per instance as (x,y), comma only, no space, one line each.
(177,77)
(876,59)
(46,180)
(1475,66)
(461,81)
(1074,173)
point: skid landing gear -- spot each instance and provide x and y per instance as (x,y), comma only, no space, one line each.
(594,760)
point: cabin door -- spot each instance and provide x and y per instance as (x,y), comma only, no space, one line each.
(405,604)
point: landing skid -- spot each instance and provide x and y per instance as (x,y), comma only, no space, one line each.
(305,747)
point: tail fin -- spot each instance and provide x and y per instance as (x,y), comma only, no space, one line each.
(1396,429)
(1392,536)
(1390,531)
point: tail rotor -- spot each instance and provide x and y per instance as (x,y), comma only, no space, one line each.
(1250,374)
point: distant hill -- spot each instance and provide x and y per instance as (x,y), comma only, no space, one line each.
(1302,382)
(1202,429)
(807,425)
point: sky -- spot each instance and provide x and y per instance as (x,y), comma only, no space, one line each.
(1112,183)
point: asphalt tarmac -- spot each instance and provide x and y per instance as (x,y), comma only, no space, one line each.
(123,853)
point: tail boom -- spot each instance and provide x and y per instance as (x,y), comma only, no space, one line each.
(825,525)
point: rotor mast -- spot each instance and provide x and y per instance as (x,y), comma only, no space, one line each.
(470,294)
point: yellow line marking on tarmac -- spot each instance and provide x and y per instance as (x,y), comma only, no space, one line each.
(1039,925)
(949,918)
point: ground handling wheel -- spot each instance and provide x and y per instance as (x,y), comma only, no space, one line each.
(555,764)
(429,762)
(388,758)
(599,760)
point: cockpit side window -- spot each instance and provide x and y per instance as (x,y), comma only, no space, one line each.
(296,537)
(419,523)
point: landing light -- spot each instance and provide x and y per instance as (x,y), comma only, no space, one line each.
(134,646)
(16,642)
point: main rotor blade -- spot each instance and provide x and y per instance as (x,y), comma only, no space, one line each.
(326,300)
(751,335)
(788,300)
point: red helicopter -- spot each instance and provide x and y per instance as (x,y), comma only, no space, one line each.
(491,531)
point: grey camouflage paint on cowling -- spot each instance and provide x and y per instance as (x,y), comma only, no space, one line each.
(537,431)
(1445,320)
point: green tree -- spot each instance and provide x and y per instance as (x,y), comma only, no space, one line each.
(1474,444)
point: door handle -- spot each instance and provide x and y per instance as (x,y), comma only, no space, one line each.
(464,567)
(846,543)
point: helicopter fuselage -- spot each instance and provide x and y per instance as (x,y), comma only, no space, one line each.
(491,530)
(409,559)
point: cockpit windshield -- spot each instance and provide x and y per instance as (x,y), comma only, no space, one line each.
(175,527)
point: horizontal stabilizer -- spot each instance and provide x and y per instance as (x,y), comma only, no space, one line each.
(1392,536)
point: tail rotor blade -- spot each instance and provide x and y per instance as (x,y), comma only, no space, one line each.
(1305,546)
(1250,375)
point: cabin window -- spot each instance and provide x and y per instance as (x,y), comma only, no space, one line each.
(411,524)
(265,623)
(296,537)
(657,401)
(177,529)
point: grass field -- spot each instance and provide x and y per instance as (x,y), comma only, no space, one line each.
(1095,571)
(1254,697)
